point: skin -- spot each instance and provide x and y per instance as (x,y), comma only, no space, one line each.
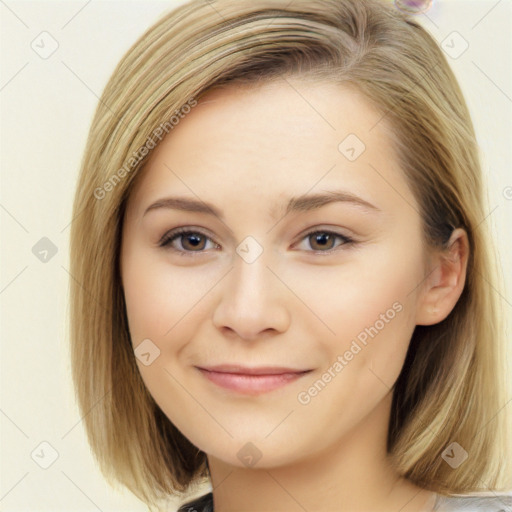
(246,150)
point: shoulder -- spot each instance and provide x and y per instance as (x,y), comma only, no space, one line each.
(202,504)
(475,503)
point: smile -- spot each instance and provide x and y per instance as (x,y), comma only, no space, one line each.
(252,381)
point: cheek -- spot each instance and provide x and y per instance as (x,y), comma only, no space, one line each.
(352,296)
(163,306)
(369,307)
(146,300)
(161,300)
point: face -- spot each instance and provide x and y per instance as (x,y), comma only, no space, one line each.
(320,297)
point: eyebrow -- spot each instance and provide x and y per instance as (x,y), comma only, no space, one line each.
(295,204)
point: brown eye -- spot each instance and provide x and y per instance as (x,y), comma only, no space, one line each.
(185,241)
(322,241)
(192,241)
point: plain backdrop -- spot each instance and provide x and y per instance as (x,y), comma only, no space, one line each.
(47,103)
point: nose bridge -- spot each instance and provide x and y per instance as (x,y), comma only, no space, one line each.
(251,277)
(251,300)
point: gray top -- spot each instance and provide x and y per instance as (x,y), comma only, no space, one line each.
(487,503)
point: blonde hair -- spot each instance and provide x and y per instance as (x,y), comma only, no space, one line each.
(452,386)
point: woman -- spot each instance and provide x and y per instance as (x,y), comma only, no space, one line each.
(281,282)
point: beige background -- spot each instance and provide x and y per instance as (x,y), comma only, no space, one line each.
(46,107)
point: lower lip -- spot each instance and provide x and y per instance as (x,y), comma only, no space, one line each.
(251,384)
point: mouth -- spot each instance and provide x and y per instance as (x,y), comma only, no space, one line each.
(251,381)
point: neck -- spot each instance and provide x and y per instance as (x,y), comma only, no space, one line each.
(354,475)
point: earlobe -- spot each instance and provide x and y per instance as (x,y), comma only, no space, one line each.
(445,283)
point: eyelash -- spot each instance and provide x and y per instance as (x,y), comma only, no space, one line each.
(174,234)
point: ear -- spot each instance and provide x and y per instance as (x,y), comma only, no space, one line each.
(443,286)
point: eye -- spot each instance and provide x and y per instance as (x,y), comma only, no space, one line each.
(322,241)
(191,241)
(194,241)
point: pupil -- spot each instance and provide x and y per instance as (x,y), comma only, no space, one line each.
(194,239)
(322,239)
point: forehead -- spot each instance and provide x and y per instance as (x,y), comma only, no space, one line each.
(272,141)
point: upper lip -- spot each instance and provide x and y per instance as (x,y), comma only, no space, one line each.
(255,370)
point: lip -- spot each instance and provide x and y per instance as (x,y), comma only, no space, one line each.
(255,370)
(251,381)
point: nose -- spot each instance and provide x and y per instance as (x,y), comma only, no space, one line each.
(253,302)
